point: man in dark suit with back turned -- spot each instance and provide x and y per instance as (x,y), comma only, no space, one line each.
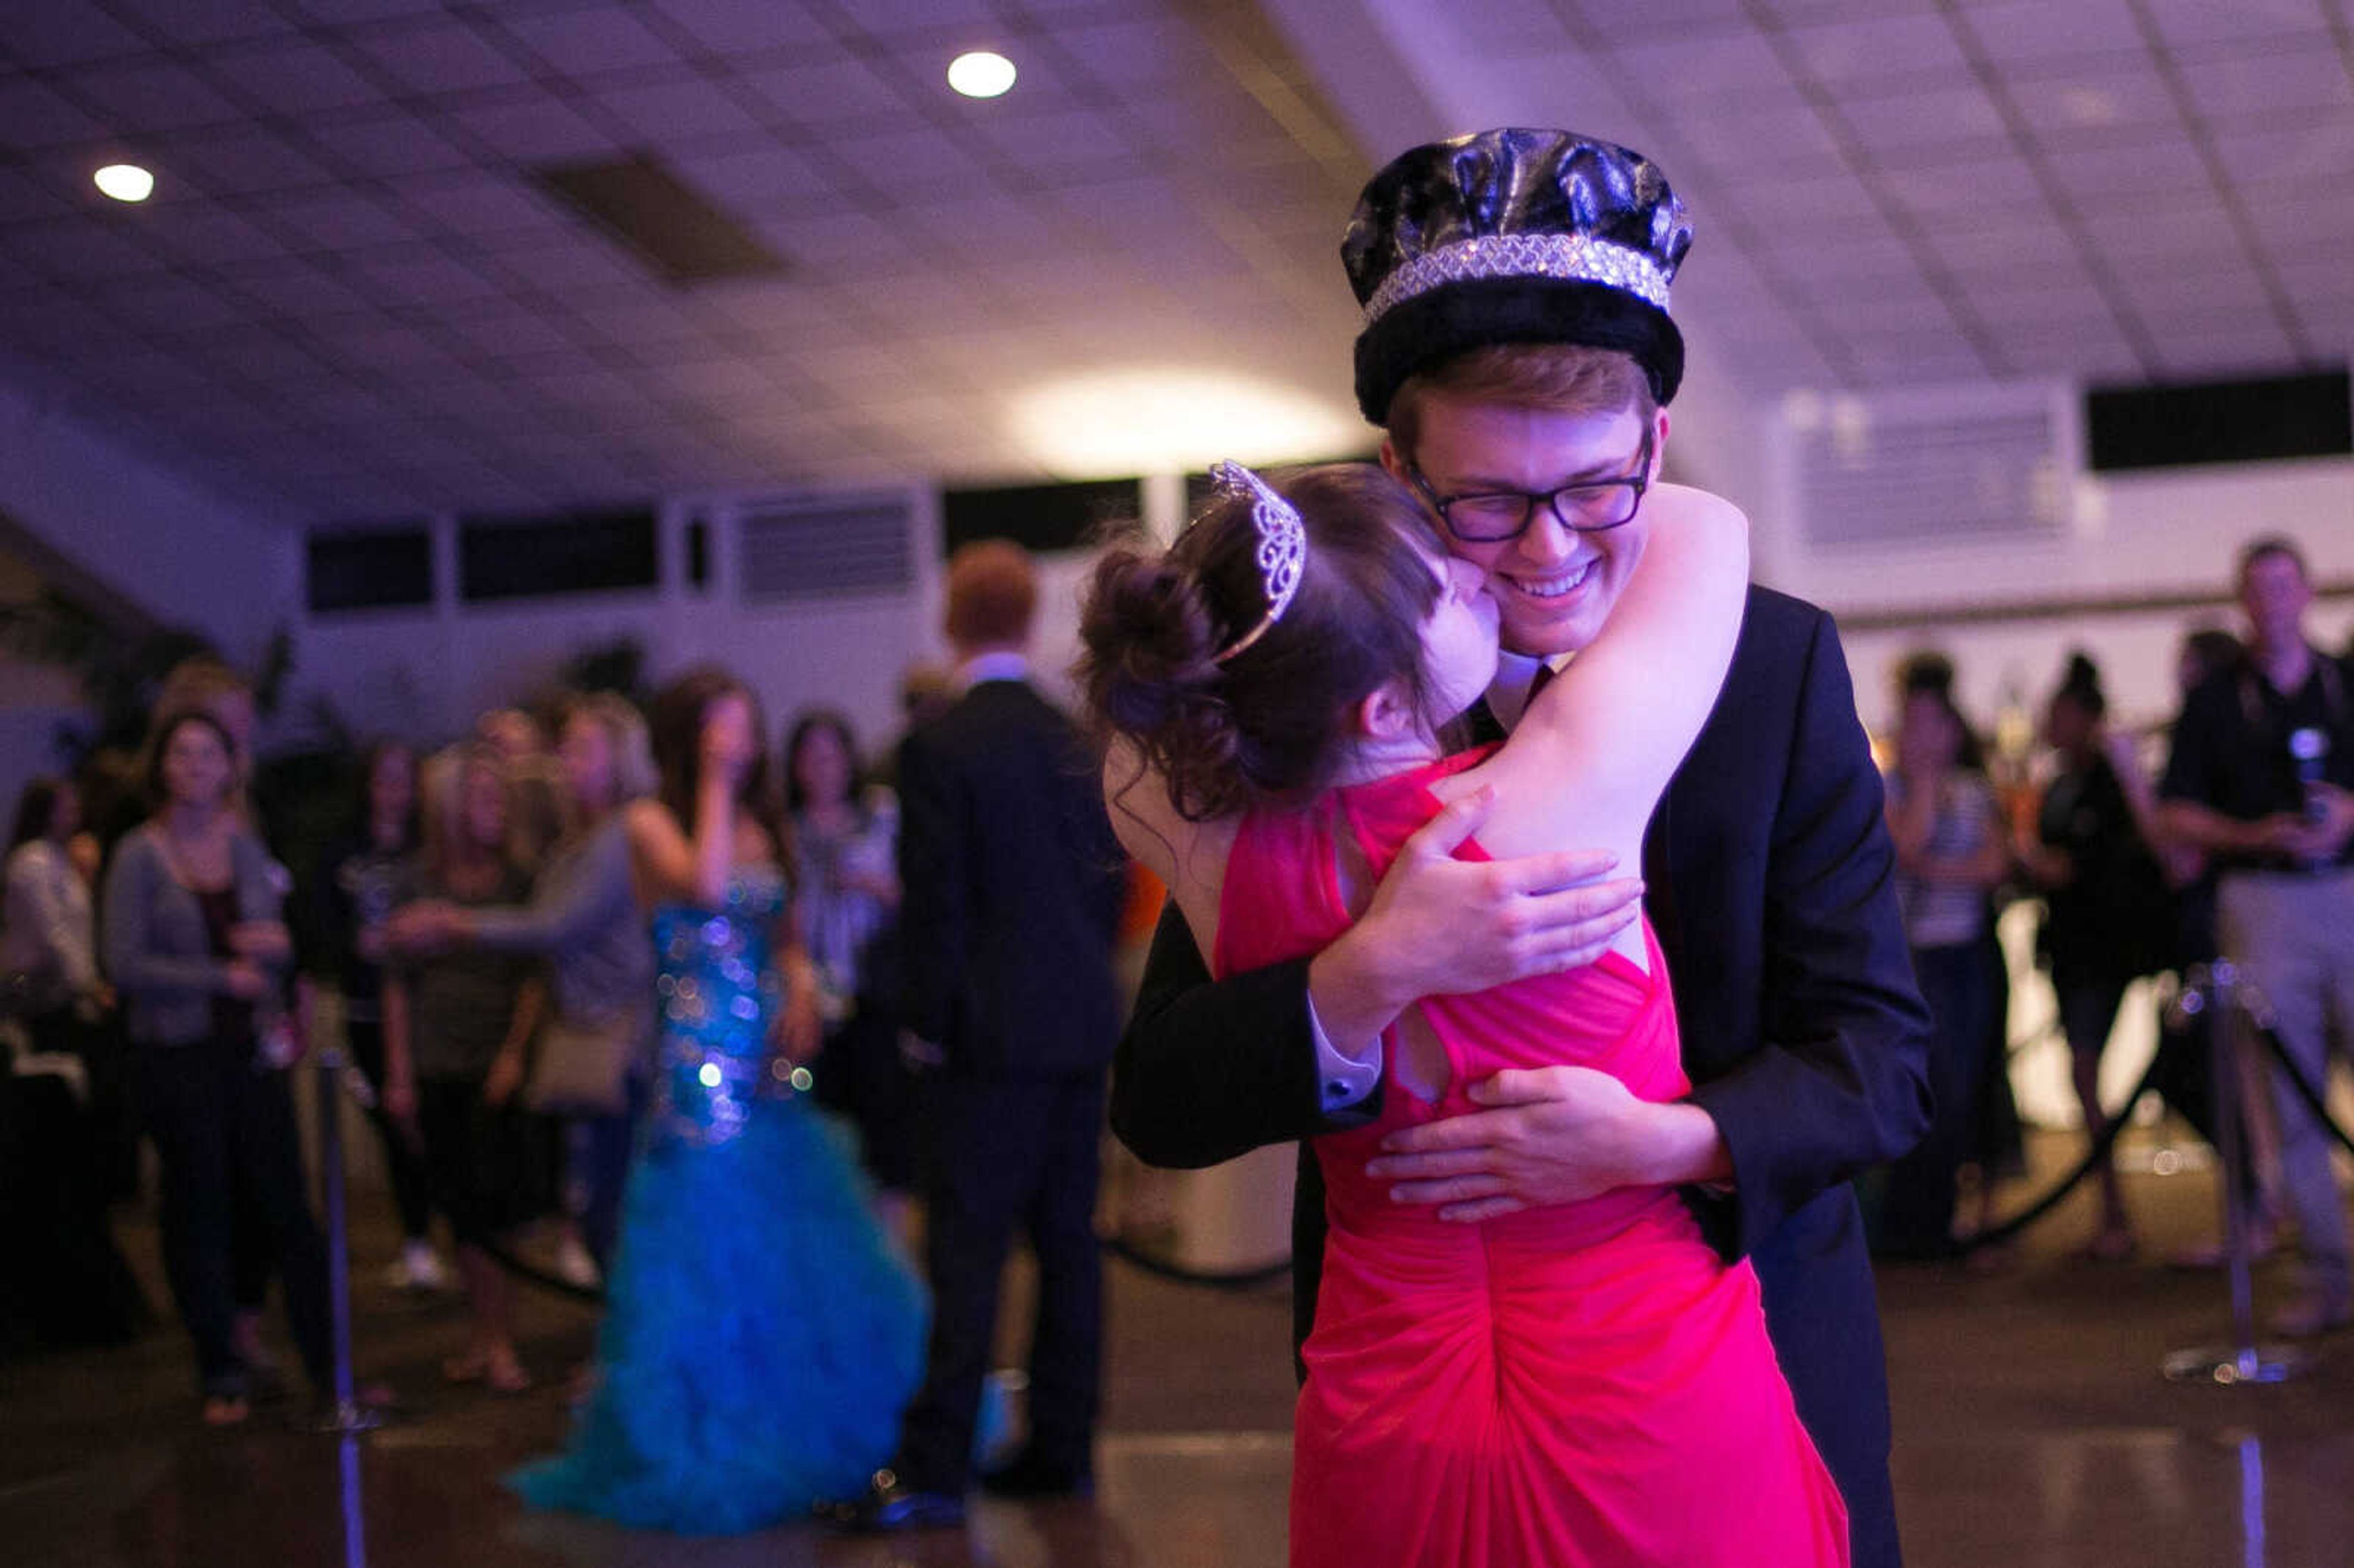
(1488,267)
(1014,885)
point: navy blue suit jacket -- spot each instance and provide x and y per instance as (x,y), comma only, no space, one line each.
(1013,886)
(1771,886)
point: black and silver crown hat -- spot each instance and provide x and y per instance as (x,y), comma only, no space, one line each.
(1514,236)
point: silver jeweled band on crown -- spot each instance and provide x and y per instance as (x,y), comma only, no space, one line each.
(1282,552)
(1570,257)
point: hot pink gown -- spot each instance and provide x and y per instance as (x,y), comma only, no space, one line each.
(1583,1386)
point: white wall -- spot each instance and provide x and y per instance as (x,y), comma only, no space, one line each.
(175,551)
(2156,532)
(425,674)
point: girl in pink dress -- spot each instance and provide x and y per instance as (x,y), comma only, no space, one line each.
(1587,1384)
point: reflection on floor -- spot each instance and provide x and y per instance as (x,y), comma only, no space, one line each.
(2033,1429)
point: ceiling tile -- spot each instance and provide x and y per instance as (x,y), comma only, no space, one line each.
(1546,87)
(2167,229)
(420,275)
(531,127)
(1656,17)
(566,261)
(1709,69)
(1895,123)
(2259,86)
(2049,298)
(299,289)
(2321,280)
(1151,53)
(209,235)
(391,142)
(139,99)
(291,77)
(2037,31)
(639,318)
(265,356)
(2188,25)
(831,92)
(914,164)
(437,56)
(242,160)
(1999,183)
(100,246)
(166,303)
(2096,99)
(671,115)
(883,17)
(209,21)
(747,26)
(344,13)
(589,42)
(1830,271)
(472,201)
(1975,243)
(2321,151)
(2162,160)
(337,219)
(2091,350)
(760,182)
(1793,142)
(503,331)
(2300,217)
(2225,344)
(66,330)
(1822,203)
(48,36)
(36,116)
(1861,51)
(2162,293)
(22,196)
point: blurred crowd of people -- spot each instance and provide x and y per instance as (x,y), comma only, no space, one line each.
(2134,842)
(592,963)
(480,918)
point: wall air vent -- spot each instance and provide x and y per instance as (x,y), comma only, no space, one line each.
(1929,467)
(824,547)
(674,228)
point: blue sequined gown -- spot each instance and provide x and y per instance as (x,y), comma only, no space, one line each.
(761,1335)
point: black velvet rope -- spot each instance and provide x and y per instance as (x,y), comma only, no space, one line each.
(2306,1090)
(1214,1279)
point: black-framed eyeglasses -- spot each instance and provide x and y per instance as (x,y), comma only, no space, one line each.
(1586,506)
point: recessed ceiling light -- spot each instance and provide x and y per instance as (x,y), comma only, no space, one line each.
(125,182)
(981,74)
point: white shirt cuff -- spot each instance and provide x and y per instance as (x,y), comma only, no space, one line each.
(1343,1081)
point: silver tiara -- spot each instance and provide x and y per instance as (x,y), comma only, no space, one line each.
(1282,547)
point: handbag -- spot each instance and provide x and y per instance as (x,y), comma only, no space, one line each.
(581,1067)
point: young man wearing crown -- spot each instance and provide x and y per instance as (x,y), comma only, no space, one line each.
(1511,280)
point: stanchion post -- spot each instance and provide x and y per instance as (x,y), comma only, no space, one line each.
(348,1415)
(2215,991)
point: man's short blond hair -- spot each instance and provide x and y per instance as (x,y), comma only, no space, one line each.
(1563,378)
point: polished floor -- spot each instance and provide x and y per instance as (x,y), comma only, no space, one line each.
(2034,1431)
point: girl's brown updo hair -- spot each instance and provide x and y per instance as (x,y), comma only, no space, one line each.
(1265,727)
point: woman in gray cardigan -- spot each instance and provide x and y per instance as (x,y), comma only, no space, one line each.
(584,917)
(195,945)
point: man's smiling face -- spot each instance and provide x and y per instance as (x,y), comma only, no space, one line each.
(1554,587)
